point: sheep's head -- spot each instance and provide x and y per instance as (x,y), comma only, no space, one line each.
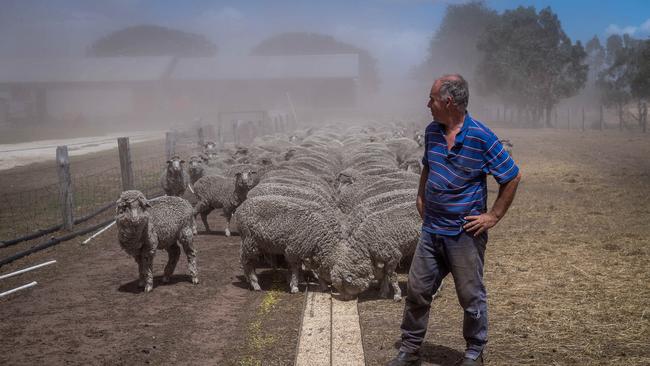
(246,180)
(419,138)
(293,138)
(352,271)
(412,165)
(196,165)
(132,209)
(289,154)
(345,177)
(175,164)
(209,145)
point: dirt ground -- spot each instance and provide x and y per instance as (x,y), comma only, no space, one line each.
(566,270)
(567,277)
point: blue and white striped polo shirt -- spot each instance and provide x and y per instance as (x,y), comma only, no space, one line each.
(457,185)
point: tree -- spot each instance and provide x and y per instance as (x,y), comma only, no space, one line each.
(300,43)
(596,58)
(452,48)
(627,77)
(152,40)
(529,61)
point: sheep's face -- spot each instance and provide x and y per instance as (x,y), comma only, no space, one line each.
(196,165)
(246,180)
(132,209)
(352,272)
(210,145)
(289,154)
(293,138)
(419,138)
(413,166)
(175,164)
(344,179)
(266,161)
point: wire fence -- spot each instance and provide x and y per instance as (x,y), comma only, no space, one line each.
(96,182)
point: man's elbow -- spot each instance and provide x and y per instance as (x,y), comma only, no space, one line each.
(517,179)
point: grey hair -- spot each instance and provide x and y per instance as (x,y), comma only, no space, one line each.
(456,87)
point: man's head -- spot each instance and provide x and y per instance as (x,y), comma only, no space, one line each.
(448,98)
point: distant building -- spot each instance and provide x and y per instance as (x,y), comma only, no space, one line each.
(127,88)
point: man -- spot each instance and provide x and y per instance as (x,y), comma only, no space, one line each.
(452,201)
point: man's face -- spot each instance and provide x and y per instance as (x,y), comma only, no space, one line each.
(436,105)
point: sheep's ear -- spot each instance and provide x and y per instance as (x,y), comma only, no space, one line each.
(238,174)
(118,203)
(169,161)
(144,203)
(182,161)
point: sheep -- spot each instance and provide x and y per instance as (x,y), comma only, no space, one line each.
(507,145)
(214,191)
(389,235)
(143,229)
(306,233)
(174,179)
(196,169)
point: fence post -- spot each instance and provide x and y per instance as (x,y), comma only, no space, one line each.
(126,167)
(556,120)
(602,121)
(201,137)
(220,134)
(568,118)
(583,119)
(170,144)
(65,186)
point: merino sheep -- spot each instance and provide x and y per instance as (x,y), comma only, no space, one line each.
(174,179)
(214,191)
(196,169)
(143,229)
(389,235)
(304,233)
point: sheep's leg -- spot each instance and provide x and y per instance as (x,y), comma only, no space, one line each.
(141,273)
(173,253)
(227,213)
(390,280)
(397,292)
(147,267)
(227,226)
(187,240)
(294,277)
(249,272)
(203,209)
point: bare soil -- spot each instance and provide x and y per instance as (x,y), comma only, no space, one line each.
(566,270)
(567,277)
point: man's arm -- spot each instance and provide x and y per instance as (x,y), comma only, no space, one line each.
(419,202)
(483,222)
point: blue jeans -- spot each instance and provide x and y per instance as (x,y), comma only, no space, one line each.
(436,256)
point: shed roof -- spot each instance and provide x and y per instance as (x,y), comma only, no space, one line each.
(267,67)
(80,70)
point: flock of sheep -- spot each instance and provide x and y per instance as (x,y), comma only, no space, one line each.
(339,205)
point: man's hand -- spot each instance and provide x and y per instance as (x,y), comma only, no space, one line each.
(480,223)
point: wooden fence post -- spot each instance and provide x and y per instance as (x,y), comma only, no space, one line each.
(602,121)
(568,118)
(220,134)
(583,119)
(201,134)
(170,144)
(126,166)
(556,119)
(65,186)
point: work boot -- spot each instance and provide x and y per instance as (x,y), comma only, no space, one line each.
(405,359)
(469,362)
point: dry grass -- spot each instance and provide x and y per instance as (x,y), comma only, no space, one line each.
(567,270)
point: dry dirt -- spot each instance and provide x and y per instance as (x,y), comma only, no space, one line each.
(567,276)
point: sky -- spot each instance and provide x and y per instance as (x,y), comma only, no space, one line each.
(396,32)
